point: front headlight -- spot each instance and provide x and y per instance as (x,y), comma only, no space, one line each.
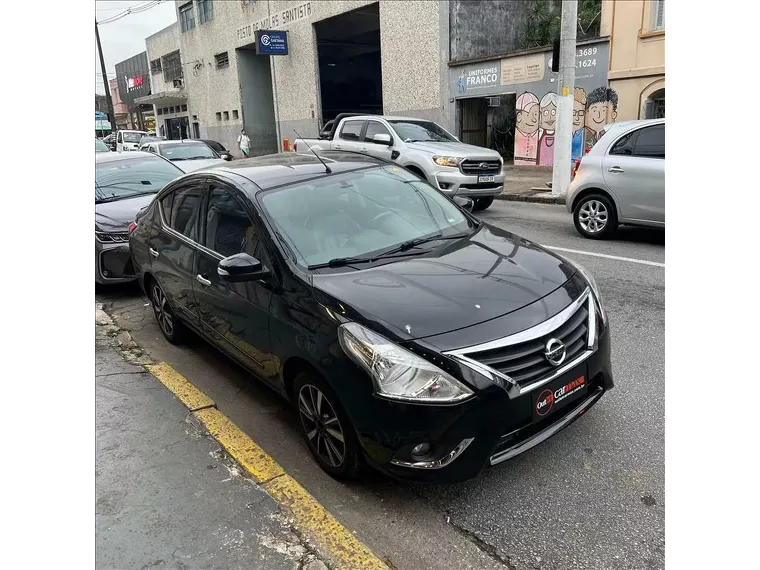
(452,161)
(397,373)
(594,287)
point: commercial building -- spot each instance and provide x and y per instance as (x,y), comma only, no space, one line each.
(132,78)
(120,109)
(637,57)
(342,55)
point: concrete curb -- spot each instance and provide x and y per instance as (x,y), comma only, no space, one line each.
(530,198)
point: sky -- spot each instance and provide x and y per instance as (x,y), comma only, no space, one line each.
(126,37)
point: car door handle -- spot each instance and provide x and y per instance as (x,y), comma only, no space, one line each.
(202,280)
(153,252)
(337,147)
(362,149)
(615,169)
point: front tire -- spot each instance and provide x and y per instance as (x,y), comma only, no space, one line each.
(171,327)
(595,217)
(482,204)
(326,428)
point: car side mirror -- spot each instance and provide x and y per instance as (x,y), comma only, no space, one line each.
(382,138)
(240,267)
(463,202)
(227,157)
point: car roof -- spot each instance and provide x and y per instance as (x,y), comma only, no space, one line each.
(272,170)
(182,141)
(118,156)
(386,117)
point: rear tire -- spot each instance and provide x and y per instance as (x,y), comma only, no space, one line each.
(171,327)
(482,204)
(326,428)
(595,217)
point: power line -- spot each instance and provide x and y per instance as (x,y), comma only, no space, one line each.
(136,10)
(121,8)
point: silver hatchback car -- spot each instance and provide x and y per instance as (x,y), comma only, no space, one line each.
(621,180)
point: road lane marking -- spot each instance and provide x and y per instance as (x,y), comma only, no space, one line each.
(333,541)
(604,255)
(178,385)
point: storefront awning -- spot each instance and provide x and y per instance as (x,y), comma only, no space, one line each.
(163,99)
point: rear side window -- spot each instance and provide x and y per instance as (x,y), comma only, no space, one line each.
(229,230)
(166,206)
(651,142)
(351,130)
(184,212)
(624,145)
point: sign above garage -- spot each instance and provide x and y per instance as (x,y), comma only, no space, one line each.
(271,42)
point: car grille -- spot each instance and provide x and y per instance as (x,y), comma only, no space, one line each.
(480,167)
(526,363)
(116,264)
(119,237)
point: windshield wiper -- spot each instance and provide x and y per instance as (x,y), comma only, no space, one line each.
(343,261)
(407,245)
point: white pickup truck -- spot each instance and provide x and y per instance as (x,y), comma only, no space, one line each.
(423,147)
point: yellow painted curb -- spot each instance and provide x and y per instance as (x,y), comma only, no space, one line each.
(309,517)
(242,448)
(321,527)
(180,387)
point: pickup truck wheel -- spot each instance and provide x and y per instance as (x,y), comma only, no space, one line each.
(483,203)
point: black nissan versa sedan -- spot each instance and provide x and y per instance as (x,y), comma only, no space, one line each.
(408,334)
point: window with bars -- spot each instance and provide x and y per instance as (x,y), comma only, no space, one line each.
(222,60)
(155,66)
(659,15)
(205,10)
(186,17)
(172,66)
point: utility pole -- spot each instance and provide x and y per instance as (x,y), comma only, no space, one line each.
(109,101)
(565,95)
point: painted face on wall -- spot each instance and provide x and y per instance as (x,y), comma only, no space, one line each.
(579,112)
(527,121)
(548,117)
(599,114)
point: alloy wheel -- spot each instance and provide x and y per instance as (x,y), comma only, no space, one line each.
(321,425)
(593,216)
(161,308)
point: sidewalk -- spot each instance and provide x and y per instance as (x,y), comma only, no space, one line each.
(167,496)
(528,184)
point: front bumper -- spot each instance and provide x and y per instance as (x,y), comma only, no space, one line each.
(487,430)
(113,263)
(452,182)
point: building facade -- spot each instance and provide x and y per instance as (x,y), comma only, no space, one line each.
(133,80)
(637,57)
(343,55)
(120,108)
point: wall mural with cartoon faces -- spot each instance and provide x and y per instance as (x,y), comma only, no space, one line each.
(534,140)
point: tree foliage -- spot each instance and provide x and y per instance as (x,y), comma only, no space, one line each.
(544,18)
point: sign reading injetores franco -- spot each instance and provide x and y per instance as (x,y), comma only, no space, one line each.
(271,42)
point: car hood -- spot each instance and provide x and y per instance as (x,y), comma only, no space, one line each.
(116,216)
(454,149)
(459,284)
(192,165)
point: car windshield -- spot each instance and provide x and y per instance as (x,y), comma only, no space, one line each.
(186,151)
(100,146)
(416,131)
(359,214)
(132,137)
(119,179)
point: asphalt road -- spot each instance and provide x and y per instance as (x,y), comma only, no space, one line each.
(592,497)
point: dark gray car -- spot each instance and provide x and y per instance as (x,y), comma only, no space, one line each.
(124,184)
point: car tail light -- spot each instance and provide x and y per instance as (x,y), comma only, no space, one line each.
(577,166)
(132,227)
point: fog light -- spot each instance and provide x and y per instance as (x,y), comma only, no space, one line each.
(444,185)
(420,450)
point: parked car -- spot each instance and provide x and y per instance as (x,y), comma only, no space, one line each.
(407,333)
(621,180)
(124,183)
(109,140)
(100,146)
(188,155)
(423,147)
(219,148)
(128,140)
(146,140)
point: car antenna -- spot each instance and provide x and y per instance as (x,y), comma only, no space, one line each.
(327,168)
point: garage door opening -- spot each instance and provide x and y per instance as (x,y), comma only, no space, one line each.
(255,74)
(348,51)
(489,122)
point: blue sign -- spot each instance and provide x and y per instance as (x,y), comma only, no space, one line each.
(100,116)
(271,42)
